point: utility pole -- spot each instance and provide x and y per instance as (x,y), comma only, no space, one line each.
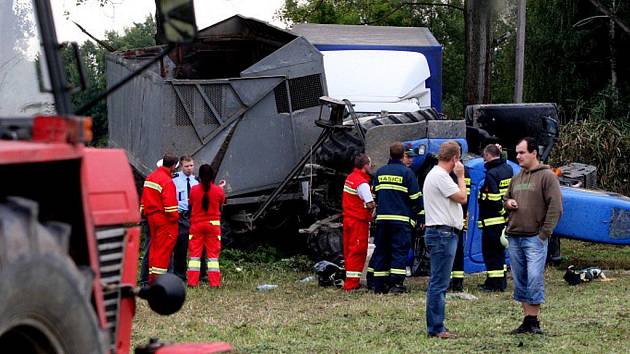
(520,51)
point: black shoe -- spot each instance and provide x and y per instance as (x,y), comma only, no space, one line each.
(523,328)
(398,289)
(489,289)
(534,327)
(456,285)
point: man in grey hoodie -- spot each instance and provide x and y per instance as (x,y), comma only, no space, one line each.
(534,203)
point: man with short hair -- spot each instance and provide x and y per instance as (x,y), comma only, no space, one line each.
(444,221)
(357,204)
(160,206)
(534,203)
(184,181)
(397,206)
(492,217)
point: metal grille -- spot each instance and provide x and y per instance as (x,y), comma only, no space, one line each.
(282,99)
(305,93)
(187,95)
(111,250)
(215,94)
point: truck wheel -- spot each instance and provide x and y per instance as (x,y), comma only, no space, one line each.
(338,151)
(327,245)
(45,303)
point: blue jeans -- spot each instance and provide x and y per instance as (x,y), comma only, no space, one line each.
(527,255)
(442,244)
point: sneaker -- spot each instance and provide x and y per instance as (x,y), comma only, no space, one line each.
(444,335)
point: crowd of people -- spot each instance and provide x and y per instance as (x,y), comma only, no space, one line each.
(430,201)
(401,202)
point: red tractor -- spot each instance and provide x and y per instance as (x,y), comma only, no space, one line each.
(69,234)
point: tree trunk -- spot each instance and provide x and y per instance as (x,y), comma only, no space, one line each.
(520,52)
(478,58)
(159,34)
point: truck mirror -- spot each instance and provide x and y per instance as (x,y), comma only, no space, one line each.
(176,18)
(166,295)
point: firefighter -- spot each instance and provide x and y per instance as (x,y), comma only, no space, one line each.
(457,274)
(492,217)
(357,204)
(206,201)
(159,204)
(397,205)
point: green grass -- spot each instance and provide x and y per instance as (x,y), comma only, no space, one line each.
(305,318)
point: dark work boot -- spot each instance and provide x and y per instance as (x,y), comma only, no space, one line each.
(534,327)
(456,285)
(524,327)
(493,284)
(397,289)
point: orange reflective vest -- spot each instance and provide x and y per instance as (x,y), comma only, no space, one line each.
(159,196)
(353,206)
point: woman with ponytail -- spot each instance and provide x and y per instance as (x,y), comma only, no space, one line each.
(206,201)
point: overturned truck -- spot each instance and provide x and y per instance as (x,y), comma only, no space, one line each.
(245,98)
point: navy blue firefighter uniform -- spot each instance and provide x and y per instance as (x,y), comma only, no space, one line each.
(457,273)
(492,221)
(397,206)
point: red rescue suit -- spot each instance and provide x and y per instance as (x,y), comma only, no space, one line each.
(160,206)
(356,226)
(205,231)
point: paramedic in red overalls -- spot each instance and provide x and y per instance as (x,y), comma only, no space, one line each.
(357,203)
(206,201)
(159,204)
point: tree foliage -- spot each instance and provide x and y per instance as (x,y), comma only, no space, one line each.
(93,58)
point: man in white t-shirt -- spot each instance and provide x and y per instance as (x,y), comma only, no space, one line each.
(444,220)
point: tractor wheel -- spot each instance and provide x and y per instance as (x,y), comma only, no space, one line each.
(338,151)
(45,302)
(327,245)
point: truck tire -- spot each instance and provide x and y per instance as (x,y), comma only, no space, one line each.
(45,303)
(338,151)
(327,245)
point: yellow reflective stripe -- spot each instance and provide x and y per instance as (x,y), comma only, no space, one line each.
(194,263)
(190,236)
(392,218)
(495,274)
(491,196)
(349,190)
(391,186)
(505,182)
(491,221)
(390,179)
(350,274)
(415,196)
(421,212)
(397,271)
(156,270)
(370,270)
(457,274)
(153,185)
(213,264)
(170,209)
(381,274)
(412,222)
(215,222)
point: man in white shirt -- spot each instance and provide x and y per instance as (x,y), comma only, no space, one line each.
(184,181)
(444,220)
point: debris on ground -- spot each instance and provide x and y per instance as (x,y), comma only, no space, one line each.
(266,287)
(460,296)
(575,276)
